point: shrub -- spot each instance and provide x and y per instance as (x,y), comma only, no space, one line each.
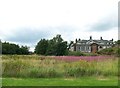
(118,52)
(75,53)
(108,51)
(91,54)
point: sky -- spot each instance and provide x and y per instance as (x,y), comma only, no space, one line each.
(25,22)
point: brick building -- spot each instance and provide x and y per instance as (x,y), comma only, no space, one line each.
(90,45)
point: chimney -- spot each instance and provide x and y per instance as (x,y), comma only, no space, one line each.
(101,38)
(90,37)
(76,40)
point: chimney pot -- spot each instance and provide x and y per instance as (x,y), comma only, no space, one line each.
(90,37)
(76,40)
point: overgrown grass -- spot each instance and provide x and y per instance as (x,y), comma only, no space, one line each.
(33,66)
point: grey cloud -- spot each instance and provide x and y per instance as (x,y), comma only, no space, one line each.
(32,35)
(27,35)
(104,25)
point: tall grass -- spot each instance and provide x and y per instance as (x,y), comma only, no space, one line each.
(48,67)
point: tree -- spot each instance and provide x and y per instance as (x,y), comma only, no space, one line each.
(61,48)
(57,39)
(24,50)
(69,45)
(118,52)
(10,48)
(57,46)
(51,47)
(41,47)
(118,42)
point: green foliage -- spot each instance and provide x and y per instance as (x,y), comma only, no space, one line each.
(9,48)
(90,54)
(108,51)
(41,47)
(57,39)
(51,48)
(69,45)
(118,42)
(61,49)
(75,53)
(55,46)
(118,52)
(24,50)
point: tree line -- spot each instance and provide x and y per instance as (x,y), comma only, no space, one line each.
(55,46)
(10,48)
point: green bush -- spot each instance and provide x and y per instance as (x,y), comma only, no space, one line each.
(75,53)
(118,52)
(91,54)
(108,51)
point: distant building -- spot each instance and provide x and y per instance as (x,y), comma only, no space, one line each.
(90,45)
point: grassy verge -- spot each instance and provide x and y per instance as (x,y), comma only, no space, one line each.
(83,81)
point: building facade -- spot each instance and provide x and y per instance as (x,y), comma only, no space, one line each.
(90,45)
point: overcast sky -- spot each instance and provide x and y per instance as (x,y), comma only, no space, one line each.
(27,21)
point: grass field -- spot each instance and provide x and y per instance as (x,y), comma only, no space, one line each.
(84,81)
(33,70)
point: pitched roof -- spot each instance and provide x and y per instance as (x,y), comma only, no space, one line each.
(100,42)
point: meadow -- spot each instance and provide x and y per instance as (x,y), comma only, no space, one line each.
(59,68)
